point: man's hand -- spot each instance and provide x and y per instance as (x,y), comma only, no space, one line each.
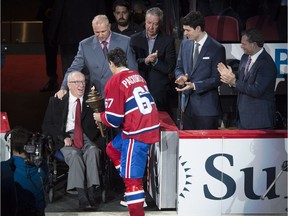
(68,141)
(97,117)
(188,86)
(181,80)
(151,58)
(60,94)
(227,75)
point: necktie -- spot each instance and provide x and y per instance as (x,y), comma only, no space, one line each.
(78,134)
(196,53)
(105,49)
(247,67)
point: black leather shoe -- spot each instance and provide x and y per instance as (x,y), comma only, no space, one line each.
(84,204)
(49,86)
(92,196)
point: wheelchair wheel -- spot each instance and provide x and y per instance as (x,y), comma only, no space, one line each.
(51,195)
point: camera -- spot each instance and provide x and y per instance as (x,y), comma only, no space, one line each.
(36,148)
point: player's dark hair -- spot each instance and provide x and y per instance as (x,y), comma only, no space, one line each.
(118,57)
(194,19)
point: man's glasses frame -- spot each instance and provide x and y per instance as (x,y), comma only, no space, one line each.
(78,83)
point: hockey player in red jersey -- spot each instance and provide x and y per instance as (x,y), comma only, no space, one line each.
(130,107)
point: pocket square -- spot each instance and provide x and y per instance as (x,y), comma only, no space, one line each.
(207,57)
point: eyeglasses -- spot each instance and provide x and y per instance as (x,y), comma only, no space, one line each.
(78,83)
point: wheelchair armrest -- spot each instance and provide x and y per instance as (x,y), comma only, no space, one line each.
(59,155)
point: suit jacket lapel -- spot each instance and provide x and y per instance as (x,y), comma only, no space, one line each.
(254,65)
(144,41)
(157,43)
(64,107)
(85,108)
(99,55)
(201,54)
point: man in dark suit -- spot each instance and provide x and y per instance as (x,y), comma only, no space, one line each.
(156,58)
(60,122)
(92,56)
(196,71)
(255,83)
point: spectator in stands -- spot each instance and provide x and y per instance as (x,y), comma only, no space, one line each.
(82,155)
(123,24)
(131,108)
(92,55)
(156,58)
(22,182)
(255,83)
(199,78)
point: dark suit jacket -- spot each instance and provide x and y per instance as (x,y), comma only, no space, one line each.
(90,55)
(256,99)
(55,119)
(204,74)
(158,76)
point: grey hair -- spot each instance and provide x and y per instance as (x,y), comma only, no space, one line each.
(99,19)
(70,75)
(156,11)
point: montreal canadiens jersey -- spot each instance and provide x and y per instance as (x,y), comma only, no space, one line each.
(130,106)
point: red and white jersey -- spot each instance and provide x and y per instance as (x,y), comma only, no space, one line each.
(130,106)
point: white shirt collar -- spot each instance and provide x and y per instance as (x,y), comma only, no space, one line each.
(72,98)
(202,41)
(255,56)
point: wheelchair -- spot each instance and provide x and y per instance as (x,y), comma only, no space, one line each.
(58,172)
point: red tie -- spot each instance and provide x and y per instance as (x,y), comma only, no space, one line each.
(78,134)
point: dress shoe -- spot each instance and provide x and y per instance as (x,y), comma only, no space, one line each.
(84,204)
(49,86)
(92,196)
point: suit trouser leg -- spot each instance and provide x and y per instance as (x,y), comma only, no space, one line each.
(92,161)
(73,158)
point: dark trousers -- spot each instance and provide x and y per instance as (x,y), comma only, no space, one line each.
(200,122)
(51,52)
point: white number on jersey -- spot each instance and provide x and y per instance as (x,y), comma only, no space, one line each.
(143,102)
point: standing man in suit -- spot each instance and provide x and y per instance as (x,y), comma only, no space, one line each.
(83,156)
(91,54)
(197,76)
(255,83)
(156,58)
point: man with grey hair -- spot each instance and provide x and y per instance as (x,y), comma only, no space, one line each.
(92,55)
(77,142)
(156,58)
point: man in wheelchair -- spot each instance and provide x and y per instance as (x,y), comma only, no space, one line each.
(76,141)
